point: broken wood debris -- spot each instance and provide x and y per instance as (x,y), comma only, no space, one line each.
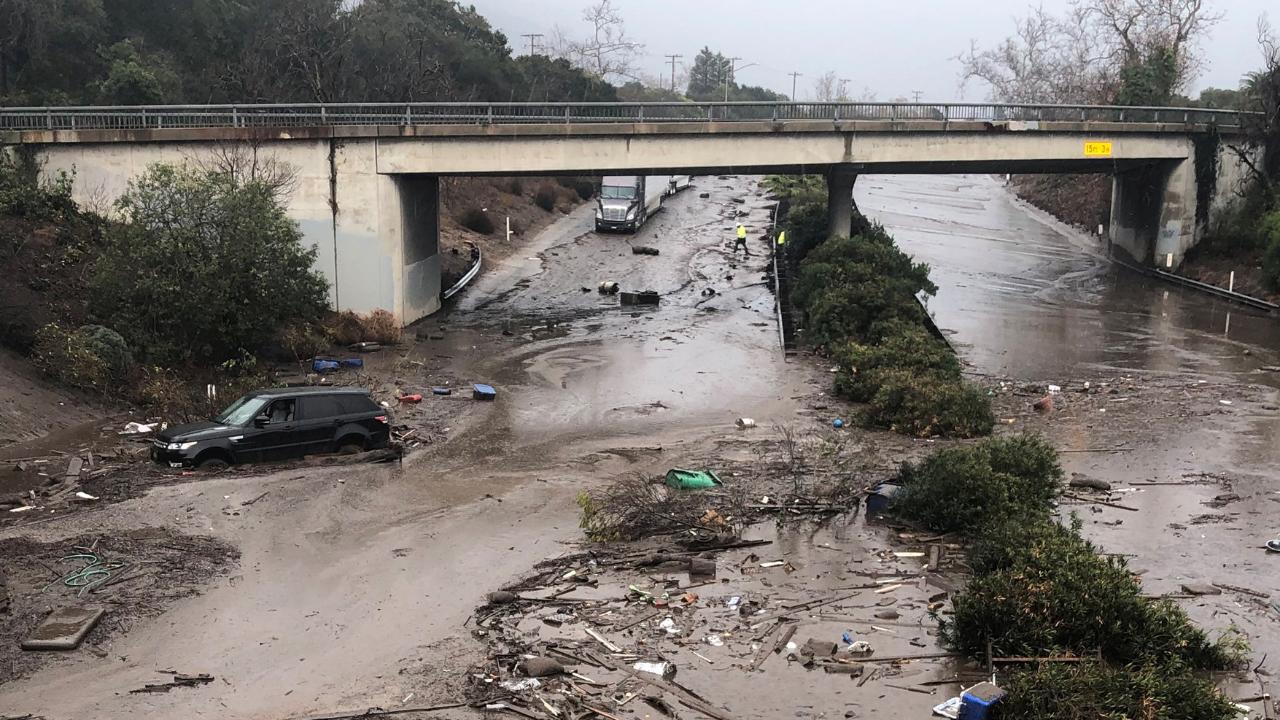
(179,680)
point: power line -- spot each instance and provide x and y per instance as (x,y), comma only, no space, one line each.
(917,94)
(794,75)
(673,59)
(533,44)
(728,77)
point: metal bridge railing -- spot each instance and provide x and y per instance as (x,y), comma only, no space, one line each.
(410,114)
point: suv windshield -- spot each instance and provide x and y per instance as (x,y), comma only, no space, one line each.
(242,411)
(614,192)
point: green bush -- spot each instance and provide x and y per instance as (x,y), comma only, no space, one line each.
(1093,691)
(206,268)
(91,358)
(108,345)
(476,220)
(23,195)
(966,487)
(799,189)
(806,227)
(1039,588)
(515,186)
(848,285)
(862,367)
(929,406)
(545,198)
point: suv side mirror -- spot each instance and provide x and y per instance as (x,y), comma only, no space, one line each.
(261,421)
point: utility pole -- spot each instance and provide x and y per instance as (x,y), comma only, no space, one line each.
(673,59)
(533,41)
(728,77)
(794,75)
(916,94)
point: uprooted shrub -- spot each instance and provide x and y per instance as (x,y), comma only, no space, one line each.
(381,326)
(638,506)
(1086,691)
(928,405)
(65,356)
(348,328)
(546,198)
(1039,588)
(476,220)
(966,487)
(92,357)
(863,367)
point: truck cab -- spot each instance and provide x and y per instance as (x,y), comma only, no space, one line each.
(621,205)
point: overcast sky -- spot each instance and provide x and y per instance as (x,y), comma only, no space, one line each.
(891,47)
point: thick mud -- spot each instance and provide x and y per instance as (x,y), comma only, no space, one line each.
(356,584)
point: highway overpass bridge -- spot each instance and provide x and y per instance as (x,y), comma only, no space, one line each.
(367,175)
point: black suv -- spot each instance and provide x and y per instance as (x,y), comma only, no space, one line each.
(275,425)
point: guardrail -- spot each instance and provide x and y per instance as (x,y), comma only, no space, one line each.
(408,114)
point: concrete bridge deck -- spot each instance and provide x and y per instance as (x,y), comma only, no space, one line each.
(367,190)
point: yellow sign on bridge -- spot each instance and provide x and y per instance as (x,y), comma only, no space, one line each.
(1097,149)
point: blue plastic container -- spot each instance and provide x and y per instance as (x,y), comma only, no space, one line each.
(352,362)
(441,391)
(484,392)
(324,366)
(977,701)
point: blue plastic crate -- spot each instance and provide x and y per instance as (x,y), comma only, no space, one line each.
(977,701)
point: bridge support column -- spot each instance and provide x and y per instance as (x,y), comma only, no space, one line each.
(840,180)
(1153,213)
(385,234)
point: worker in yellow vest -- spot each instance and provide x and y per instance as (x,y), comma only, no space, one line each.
(741,242)
(782,238)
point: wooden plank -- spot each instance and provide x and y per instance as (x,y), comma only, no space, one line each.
(63,629)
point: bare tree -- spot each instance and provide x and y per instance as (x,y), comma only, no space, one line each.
(829,88)
(246,162)
(607,52)
(1077,57)
(1135,29)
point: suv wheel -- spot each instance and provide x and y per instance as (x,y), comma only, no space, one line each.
(351,445)
(213,464)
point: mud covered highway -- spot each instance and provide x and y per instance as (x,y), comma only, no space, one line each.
(355,585)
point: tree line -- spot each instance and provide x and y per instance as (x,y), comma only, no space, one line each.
(55,52)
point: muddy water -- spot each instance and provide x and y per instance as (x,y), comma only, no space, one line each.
(1030,298)
(1022,296)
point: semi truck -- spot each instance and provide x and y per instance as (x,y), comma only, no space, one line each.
(627,201)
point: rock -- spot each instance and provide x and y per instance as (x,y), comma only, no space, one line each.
(740,201)
(502,597)
(1044,404)
(540,667)
(888,615)
(704,195)
(1200,589)
(1082,481)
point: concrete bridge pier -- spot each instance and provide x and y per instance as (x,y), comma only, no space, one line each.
(1153,213)
(840,180)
